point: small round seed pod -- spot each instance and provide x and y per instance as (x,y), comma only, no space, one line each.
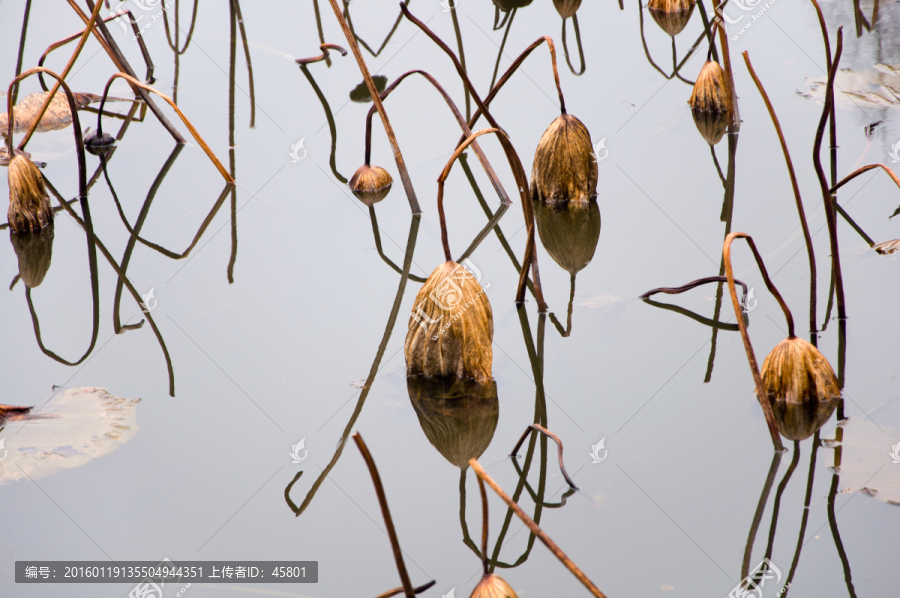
(98,143)
(796,372)
(712,125)
(567,8)
(671,15)
(564,165)
(459,417)
(493,586)
(29,205)
(569,232)
(711,90)
(451,327)
(371,184)
(34,251)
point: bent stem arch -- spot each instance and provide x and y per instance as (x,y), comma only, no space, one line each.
(796,188)
(761,393)
(530,257)
(134,82)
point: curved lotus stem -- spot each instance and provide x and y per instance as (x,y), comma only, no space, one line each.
(323,55)
(761,393)
(691,285)
(484,525)
(823,183)
(62,76)
(577,42)
(76,123)
(178,111)
(509,73)
(867,168)
(536,530)
(530,257)
(112,17)
(190,34)
(796,188)
(386,513)
(504,198)
(539,428)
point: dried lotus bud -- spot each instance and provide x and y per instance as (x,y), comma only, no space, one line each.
(796,372)
(569,232)
(29,205)
(459,417)
(493,586)
(711,90)
(33,250)
(451,327)
(671,15)
(371,184)
(567,8)
(564,165)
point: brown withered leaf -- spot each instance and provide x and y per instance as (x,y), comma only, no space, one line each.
(57,116)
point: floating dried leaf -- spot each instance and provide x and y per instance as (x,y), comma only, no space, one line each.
(57,116)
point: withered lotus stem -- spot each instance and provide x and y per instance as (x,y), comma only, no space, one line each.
(493,586)
(567,8)
(564,165)
(371,184)
(671,15)
(29,204)
(711,90)
(459,417)
(451,327)
(34,251)
(796,372)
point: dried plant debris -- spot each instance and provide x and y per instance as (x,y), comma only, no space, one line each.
(76,426)
(879,85)
(57,116)
(887,247)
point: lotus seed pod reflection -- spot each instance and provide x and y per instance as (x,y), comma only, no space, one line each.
(569,232)
(34,251)
(493,586)
(671,15)
(564,165)
(459,417)
(796,372)
(712,125)
(567,8)
(799,421)
(451,327)
(29,205)
(711,90)
(371,184)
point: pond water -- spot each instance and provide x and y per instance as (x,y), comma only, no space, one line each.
(274,302)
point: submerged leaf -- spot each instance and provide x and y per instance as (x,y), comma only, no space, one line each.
(57,116)
(879,85)
(76,426)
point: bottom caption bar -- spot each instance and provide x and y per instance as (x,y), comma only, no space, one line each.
(161,572)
